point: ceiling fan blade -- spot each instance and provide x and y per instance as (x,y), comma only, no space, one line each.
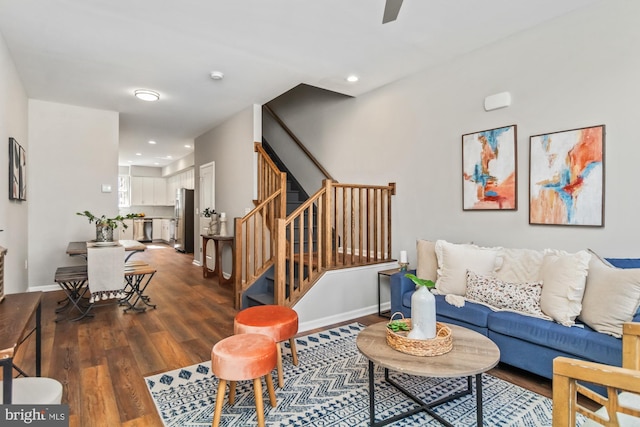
(391,10)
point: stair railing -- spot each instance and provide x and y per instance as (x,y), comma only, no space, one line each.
(341,225)
(254,248)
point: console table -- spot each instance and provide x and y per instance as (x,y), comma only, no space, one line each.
(16,314)
(219,243)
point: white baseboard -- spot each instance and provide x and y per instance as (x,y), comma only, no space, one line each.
(342,317)
(47,288)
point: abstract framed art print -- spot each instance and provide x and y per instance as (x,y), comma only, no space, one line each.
(489,180)
(566,177)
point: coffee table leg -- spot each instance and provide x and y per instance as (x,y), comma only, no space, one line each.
(479,418)
(372,400)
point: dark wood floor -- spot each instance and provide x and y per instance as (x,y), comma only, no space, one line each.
(101,361)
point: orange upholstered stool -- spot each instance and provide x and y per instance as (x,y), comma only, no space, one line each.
(244,357)
(278,322)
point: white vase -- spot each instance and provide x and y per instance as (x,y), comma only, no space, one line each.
(423,314)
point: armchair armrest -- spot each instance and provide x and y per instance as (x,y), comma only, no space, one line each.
(567,373)
(400,285)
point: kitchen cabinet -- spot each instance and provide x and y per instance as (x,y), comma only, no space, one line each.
(166,230)
(160,192)
(156,231)
(181,180)
(126,233)
(148,191)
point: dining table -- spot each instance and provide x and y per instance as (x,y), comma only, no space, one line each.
(130,246)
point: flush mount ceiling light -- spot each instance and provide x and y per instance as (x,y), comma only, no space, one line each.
(146,95)
(352,78)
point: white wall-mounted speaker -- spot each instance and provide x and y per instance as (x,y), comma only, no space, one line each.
(499,100)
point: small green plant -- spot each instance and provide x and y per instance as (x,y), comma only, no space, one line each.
(208,212)
(108,222)
(398,325)
(420,282)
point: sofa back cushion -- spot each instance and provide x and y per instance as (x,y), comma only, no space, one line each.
(454,260)
(563,276)
(611,297)
(427,261)
(520,265)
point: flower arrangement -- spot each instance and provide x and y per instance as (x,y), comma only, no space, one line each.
(208,212)
(108,222)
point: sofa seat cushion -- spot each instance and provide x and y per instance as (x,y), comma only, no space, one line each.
(472,313)
(579,340)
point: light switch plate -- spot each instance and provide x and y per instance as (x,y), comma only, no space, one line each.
(106,188)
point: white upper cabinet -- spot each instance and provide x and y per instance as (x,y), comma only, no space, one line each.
(181,180)
(148,191)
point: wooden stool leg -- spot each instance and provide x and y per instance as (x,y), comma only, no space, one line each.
(272,392)
(257,389)
(219,402)
(232,392)
(280,375)
(294,352)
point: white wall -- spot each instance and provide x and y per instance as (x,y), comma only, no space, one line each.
(230,146)
(179,165)
(13,214)
(579,70)
(72,152)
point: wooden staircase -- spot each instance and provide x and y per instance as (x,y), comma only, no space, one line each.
(282,250)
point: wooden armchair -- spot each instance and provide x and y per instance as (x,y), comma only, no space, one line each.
(622,384)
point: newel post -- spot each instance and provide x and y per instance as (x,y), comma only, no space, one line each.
(327,226)
(238,275)
(280,261)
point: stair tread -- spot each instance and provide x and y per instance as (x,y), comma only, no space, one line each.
(262,298)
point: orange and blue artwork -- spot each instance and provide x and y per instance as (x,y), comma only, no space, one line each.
(489,169)
(566,181)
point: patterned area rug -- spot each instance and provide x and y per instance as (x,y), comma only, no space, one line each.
(329,387)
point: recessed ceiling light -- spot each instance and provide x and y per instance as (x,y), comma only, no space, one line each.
(217,75)
(138,154)
(146,95)
(156,163)
(187,146)
(169,157)
(353,78)
(152,142)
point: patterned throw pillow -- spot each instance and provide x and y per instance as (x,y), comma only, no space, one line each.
(522,298)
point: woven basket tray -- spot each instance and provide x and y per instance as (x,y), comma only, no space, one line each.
(441,344)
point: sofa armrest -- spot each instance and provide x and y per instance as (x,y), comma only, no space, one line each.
(400,285)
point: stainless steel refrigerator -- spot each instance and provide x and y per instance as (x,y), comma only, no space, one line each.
(184,220)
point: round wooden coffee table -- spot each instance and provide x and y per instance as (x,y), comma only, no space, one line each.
(472,354)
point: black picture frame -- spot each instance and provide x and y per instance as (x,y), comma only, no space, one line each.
(567,177)
(14,169)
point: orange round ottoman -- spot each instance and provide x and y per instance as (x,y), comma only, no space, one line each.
(276,321)
(244,357)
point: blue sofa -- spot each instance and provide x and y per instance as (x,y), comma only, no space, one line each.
(525,342)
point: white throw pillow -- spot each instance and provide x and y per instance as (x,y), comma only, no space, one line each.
(563,278)
(522,298)
(520,265)
(453,262)
(611,297)
(427,267)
